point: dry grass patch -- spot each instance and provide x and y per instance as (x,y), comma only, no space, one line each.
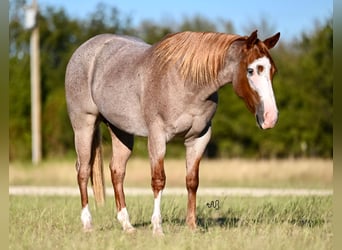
(308,173)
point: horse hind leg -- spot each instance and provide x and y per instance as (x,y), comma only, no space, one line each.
(122,144)
(84,130)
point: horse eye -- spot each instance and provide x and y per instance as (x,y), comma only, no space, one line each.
(250,71)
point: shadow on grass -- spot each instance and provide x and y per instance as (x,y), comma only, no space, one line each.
(234,222)
(204,224)
(201,222)
(226,222)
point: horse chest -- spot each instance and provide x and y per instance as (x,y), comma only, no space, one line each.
(192,121)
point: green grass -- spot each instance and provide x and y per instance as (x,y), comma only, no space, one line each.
(239,223)
(267,223)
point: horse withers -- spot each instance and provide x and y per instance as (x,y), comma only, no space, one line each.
(159,91)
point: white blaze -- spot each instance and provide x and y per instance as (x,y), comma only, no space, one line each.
(260,81)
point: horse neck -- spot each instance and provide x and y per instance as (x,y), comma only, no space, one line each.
(231,66)
(225,76)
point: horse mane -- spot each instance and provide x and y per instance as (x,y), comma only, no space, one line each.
(199,55)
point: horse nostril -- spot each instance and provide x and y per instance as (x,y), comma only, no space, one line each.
(266,115)
(259,121)
(272,116)
(270,119)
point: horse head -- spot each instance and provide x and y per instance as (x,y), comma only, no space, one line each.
(253,81)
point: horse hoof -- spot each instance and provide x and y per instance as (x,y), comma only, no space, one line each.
(192,225)
(158,232)
(130,230)
(87,229)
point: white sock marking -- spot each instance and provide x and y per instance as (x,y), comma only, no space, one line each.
(156,216)
(123,218)
(86,217)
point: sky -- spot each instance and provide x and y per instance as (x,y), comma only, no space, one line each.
(290,17)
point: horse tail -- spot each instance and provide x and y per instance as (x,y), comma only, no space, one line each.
(97,177)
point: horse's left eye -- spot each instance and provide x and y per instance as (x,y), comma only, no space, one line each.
(250,71)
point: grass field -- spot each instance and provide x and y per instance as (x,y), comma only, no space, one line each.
(46,222)
(239,223)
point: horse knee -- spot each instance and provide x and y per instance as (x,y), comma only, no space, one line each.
(83,174)
(117,175)
(158,181)
(192,182)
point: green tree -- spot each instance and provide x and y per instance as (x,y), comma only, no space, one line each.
(151,32)
(197,23)
(19,85)
(317,65)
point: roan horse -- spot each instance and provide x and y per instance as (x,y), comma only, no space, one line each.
(161,91)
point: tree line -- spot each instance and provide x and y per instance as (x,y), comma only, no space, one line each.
(303,87)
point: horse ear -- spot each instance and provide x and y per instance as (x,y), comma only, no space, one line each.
(272,41)
(251,40)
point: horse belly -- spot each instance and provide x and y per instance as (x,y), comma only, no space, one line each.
(129,124)
(121,109)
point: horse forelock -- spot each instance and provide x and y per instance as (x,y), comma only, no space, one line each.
(258,51)
(199,56)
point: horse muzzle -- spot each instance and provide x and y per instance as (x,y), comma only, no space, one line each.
(267,120)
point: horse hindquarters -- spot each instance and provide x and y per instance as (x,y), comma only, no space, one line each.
(84,118)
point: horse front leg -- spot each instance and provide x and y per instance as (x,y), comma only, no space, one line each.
(156,149)
(122,144)
(194,151)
